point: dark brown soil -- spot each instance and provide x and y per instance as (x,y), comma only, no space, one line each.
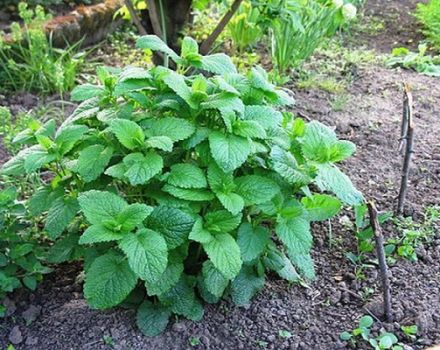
(316,315)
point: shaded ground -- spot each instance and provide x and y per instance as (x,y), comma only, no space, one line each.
(314,316)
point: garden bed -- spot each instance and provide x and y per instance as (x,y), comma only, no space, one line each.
(312,316)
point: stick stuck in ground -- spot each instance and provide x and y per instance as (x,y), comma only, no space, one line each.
(374,222)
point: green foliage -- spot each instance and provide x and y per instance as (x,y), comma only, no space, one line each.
(428,15)
(21,257)
(176,183)
(418,61)
(31,63)
(243,27)
(362,336)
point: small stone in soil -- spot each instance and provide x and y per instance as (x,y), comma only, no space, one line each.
(31,313)
(15,337)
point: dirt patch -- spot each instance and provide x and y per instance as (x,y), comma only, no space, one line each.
(314,316)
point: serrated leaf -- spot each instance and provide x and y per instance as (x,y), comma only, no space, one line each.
(187,175)
(177,83)
(60,214)
(256,189)
(63,249)
(229,151)
(221,221)
(163,143)
(140,169)
(266,116)
(109,280)
(166,281)
(146,252)
(37,159)
(154,43)
(224,253)
(92,161)
(152,319)
(172,223)
(218,63)
(252,241)
(215,282)
(232,202)
(321,207)
(245,286)
(68,136)
(189,47)
(99,233)
(133,216)
(43,198)
(86,91)
(100,206)
(330,178)
(117,171)
(128,133)
(176,129)
(199,233)
(249,128)
(286,165)
(15,165)
(189,194)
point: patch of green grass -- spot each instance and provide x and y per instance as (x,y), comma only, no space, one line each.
(340,102)
(329,84)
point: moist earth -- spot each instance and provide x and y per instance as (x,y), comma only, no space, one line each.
(56,316)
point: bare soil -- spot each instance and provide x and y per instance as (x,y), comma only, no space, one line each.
(316,315)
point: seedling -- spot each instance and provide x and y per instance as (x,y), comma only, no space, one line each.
(194,341)
(284,334)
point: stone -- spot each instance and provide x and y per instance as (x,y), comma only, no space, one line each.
(15,336)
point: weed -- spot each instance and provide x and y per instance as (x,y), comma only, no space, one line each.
(340,102)
(108,340)
(194,341)
(284,334)
(420,61)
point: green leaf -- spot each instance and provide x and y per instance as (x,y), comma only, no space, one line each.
(218,63)
(163,143)
(140,169)
(172,223)
(224,253)
(92,161)
(177,83)
(68,136)
(176,129)
(109,281)
(152,319)
(63,250)
(330,178)
(321,207)
(266,116)
(249,128)
(187,176)
(199,233)
(101,207)
(189,194)
(133,216)
(286,165)
(189,47)
(117,171)
(166,281)
(15,165)
(231,201)
(99,233)
(245,286)
(295,235)
(214,281)
(154,43)
(252,241)
(43,198)
(229,151)
(147,253)
(366,322)
(222,221)
(256,189)
(86,91)
(60,214)
(37,159)
(129,134)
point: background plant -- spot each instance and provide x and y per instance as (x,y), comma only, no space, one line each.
(428,15)
(181,181)
(29,62)
(418,61)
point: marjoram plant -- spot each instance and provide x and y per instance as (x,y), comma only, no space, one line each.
(184,187)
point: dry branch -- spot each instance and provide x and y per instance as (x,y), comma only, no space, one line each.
(407,141)
(206,45)
(378,236)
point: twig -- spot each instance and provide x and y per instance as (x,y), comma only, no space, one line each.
(135,18)
(407,138)
(206,45)
(374,222)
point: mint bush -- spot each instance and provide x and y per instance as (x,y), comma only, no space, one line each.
(177,187)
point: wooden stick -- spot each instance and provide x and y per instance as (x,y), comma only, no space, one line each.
(406,115)
(135,18)
(408,137)
(374,222)
(206,45)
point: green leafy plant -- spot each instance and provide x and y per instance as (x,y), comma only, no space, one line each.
(243,27)
(21,255)
(29,62)
(362,334)
(190,186)
(418,61)
(428,15)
